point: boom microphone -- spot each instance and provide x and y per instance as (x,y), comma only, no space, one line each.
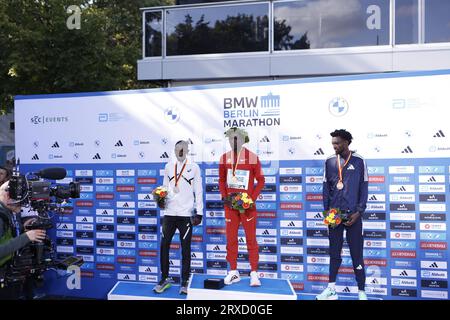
(52,173)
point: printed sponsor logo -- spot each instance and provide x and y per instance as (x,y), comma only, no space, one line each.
(376,179)
(404,292)
(432,274)
(431,179)
(375,234)
(402,207)
(291,267)
(432,188)
(403,235)
(375,243)
(317,242)
(404,216)
(433,245)
(374,225)
(403,244)
(433,197)
(376,207)
(290,188)
(402,197)
(404,273)
(263,197)
(104,235)
(401,169)
(427,226)
(291,250)
(433,207)
(402,188)
(434,294)
(290,171)
(433,236)
(403,254)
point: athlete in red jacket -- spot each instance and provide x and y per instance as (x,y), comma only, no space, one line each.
(238,169)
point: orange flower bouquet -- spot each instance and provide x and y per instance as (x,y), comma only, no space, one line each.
(334,217)
(241,201)
(160,195)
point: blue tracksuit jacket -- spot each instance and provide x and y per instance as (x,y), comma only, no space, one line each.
(353,196)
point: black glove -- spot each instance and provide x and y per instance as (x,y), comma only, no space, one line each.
(196,220)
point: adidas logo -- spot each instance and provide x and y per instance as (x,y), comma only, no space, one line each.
(359,267)
(55,145)
(265,139)
(266,232)
(433,265)
(148,269)
(84,219)
(350,167)
(96,157)
(346,289)
(171,263)
(193,255)
(319,152)
(432,179)
(147,197)
(404,273)
(164,156)
(291,224)
(125,205)
(402,188)
(374,281)
(373,198)
(216,248)
(35,157)
(105,212)
(65,227)
(439,134)
(127,277)
(118,144)
(241,240)
(318,216)
(407,150)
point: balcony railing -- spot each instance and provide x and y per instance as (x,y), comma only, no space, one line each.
(285,25)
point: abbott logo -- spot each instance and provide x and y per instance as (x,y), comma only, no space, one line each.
(74,280)
(338,107)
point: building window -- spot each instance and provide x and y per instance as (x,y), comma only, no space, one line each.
(217,29)
(437,21)
(406,21)
(314,24)
(153,34)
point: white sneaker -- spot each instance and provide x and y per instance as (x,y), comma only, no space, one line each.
(327,294)
(232,277)
(254,279)
(362,295)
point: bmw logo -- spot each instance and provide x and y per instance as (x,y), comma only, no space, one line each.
(172,115)
(338,107)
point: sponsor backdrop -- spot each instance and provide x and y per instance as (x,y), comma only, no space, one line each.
(117,143)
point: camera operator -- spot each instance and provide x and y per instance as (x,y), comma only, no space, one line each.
(12,239)
(5,174)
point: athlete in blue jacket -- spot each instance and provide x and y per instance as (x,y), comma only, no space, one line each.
(345,186)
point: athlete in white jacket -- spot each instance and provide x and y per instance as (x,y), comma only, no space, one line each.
(184,208)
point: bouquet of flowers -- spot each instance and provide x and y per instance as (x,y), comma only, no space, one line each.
(241,201)
(160,195)
(334,217)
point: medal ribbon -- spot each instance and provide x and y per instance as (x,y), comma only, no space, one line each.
(177,178)
(237,161)
(339,165)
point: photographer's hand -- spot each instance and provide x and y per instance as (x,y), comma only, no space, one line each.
(36,235)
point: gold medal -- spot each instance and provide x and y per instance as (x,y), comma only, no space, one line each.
(340,185)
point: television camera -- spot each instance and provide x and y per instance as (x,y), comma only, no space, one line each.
(44,199)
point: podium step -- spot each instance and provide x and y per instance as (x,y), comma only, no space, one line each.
(127,290)
(270,289)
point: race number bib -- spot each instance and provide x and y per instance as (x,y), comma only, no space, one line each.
(240,179)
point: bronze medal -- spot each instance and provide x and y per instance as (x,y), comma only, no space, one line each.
(340,185)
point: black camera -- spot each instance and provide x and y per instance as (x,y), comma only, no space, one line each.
(46,199)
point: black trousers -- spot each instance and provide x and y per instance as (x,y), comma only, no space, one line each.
(169,226)
(355,242)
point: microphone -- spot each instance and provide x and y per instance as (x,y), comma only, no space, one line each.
(52,173)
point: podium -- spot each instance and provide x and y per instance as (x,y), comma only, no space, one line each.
(127,290)
(270,289)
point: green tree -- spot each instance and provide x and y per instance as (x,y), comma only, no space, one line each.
(40,55)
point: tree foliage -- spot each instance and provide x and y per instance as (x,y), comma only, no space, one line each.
(40,55)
